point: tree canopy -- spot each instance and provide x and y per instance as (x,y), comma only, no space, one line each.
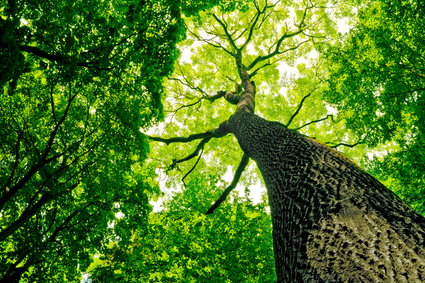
(79,79)
(377,81)
(82,81)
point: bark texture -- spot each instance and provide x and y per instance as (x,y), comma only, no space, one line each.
(332,222)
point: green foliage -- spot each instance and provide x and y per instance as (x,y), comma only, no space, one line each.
(377,82)
(79,80)
(181,243)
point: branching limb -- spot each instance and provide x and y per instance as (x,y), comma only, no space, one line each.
(193,167)
(277,50)
(298,110)
(233,184)
(216,133)
(212,42)
(196,152)
(43,160)
(254,21)
(209,98)
(316,121)
(253,73)
(59,58)
(206,137)
(189,84)
(17,161)
(205,96)
(228,35)
(346,144)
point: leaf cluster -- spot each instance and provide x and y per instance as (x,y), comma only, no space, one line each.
(181,243)
(376,79)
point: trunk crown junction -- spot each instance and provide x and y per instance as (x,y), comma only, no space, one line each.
(246,100)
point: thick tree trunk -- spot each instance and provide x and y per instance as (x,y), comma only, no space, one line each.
(332,222)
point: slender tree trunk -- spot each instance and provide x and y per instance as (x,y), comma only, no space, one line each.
(332,222)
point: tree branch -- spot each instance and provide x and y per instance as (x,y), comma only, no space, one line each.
(346,144)
(232,98)
(209,98)
(198,148)
(189,84)
(41,162)
(253,24)
(277,49)
(40,53)
(298,110)
(28,213)
(205,96)
(253,73)
(193,167)
(212,42)
(241,167)
(229,37)
(17,160)
(316,121)
(216,133)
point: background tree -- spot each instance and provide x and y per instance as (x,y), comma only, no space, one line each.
(377,80)
(79,79)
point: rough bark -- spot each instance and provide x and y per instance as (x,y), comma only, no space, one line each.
(332,222)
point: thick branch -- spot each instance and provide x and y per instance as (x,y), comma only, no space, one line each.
(57,58)
(28,213)
(40,53)
(217,133)
(232,98)
(233,184)
(346,144)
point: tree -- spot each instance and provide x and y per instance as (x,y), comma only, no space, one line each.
(331,220)
(376,77)
(79,79)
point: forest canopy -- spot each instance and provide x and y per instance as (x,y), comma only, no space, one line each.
(92,90)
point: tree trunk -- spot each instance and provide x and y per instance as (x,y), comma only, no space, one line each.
(332,222)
